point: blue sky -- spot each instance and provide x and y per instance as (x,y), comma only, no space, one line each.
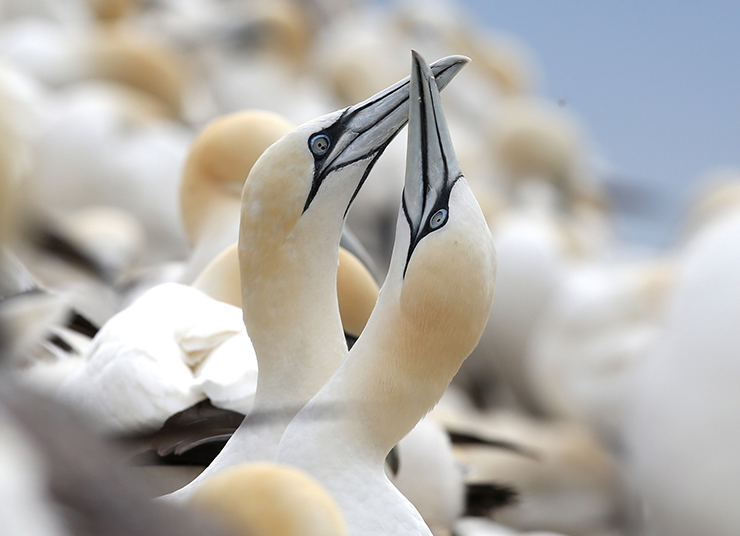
(656,82)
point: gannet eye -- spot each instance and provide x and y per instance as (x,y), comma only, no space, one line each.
(438,218)
(319,144)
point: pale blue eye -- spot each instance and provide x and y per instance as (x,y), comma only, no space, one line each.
(438,218)
(319,144)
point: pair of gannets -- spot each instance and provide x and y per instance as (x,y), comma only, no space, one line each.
(293,209)
(429,316)
(159,354)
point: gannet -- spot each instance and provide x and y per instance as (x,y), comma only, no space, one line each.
(557,477)
(594,335)
(94,148)
(145,362)
(60,477)
(262,55)
(540,151)
(430,314)
(30,313)
(682,432)
(429,476)
(719,193)
(213,178)
(112,11)
(357,290)
(264,499)
(293,208)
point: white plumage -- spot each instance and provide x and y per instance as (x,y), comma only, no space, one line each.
(154,359)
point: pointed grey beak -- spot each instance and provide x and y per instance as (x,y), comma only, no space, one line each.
(431,164)
(363,131)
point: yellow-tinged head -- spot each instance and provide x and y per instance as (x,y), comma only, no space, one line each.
(265,499)
(357,292)
(220,160)
(113,10)
(284,28)
(140,62)
(538,140)
(447,291)
(444,259)
(720,195)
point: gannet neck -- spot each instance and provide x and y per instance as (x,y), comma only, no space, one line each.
(218,229)
(357,291)
(289,277)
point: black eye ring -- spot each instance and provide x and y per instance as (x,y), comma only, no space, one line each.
(319,144)
(438,219)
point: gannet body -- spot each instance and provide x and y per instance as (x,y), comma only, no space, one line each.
(558,476)
(592,338)
(177,345)
(429,476)
(293,208)
(144,365)
(541,156)
(430,314)
(94,148)
(684,407)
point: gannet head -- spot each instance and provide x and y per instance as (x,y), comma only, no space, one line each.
(265,499)
(132,59)
(113,10)
(444,261)
(220,160)
(357,293)
(535,140)
(313,173)
(437,296)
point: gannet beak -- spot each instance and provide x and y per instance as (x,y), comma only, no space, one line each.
(431,164)
(363,131)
